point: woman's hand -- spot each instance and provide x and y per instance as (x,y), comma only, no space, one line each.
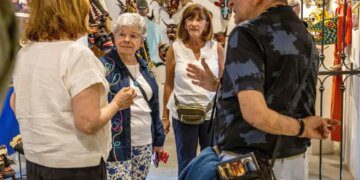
(125,97)
(158,150)
(203,78)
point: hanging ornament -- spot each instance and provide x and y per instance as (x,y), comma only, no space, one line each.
(171,31)
(143,9)
(171,6)
(100,22)
(128,7)
(321,24)
(224,8)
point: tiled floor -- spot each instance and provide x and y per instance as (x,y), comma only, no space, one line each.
(330,166)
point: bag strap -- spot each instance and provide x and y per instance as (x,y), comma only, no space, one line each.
(211,126)
(176,100)
(294,101)
(137,84)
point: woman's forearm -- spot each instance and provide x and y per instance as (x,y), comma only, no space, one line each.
(107,113)
(167,93)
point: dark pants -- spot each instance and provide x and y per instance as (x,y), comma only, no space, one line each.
(38,172)
(187,137)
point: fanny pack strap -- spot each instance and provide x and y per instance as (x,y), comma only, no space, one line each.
(176,100)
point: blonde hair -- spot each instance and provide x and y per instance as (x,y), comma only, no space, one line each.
(191,12)
(57,19)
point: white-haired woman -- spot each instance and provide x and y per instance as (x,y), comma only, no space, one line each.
(137,131)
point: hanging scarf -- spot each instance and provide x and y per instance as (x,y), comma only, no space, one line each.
(341,43)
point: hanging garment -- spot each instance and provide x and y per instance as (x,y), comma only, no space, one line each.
(9,127)
(341,43)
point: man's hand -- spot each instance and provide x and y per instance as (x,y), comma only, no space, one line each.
(166,124)
(318,128)
(203,78)
(125,97)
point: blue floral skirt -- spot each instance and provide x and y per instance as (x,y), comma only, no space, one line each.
(135,168)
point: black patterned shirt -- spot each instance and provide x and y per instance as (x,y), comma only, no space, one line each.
(268,54)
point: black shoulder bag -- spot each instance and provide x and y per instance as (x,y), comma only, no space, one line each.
(137,84)
(264,171)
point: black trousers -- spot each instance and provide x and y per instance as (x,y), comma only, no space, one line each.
(39,172)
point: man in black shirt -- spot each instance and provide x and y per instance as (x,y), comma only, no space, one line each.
(266,58)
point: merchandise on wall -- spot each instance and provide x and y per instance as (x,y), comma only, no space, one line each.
(341,51)
(167,13)
(100,41)
(328,26)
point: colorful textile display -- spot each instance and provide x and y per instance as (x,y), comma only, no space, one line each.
(315,22)
(341,43)
(329,33)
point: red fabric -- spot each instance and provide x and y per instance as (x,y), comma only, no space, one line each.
(337,80)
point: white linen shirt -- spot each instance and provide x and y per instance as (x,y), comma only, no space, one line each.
(46,77)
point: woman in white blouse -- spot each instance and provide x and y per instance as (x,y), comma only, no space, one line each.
(60,95)
(193,45)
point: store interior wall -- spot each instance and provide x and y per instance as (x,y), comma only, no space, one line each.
(160,15)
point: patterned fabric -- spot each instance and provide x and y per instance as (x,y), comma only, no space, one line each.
(329,34)
(135,168)
(268,54)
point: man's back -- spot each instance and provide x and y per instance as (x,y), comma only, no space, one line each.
(268,54)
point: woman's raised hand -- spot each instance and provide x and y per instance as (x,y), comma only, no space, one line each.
(203,78)
(125,97)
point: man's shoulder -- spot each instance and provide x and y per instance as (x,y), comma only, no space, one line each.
(253,27)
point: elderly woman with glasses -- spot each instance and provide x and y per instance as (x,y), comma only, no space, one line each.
(136,131)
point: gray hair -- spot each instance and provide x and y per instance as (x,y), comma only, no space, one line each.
(130,19)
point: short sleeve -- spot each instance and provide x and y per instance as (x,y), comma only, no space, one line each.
(244,66)
(84,71)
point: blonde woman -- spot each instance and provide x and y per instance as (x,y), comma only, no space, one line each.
(60,95)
